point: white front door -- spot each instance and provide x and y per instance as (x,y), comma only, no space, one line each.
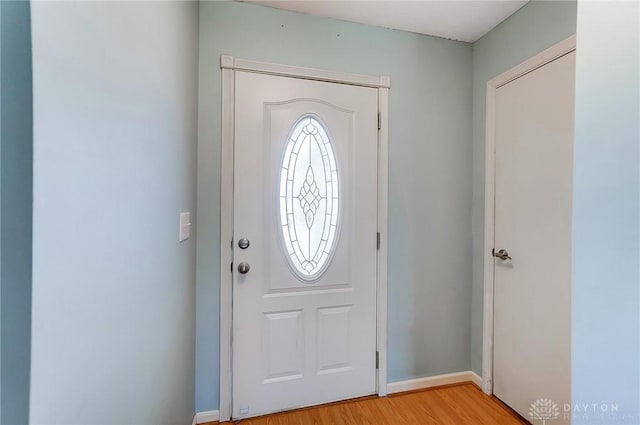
(304,246)
(532,304)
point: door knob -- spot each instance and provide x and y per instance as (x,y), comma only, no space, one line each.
(244,268)
(503,254)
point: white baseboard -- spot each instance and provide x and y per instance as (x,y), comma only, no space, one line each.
(476,379)
(208,416)
(433,381)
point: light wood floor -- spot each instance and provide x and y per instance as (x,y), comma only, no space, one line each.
(461,404)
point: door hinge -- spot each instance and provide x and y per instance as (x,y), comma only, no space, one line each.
(379,120)
(377,360)
(378,241)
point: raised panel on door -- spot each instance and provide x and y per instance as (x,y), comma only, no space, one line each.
(283,336)
(334,339)
(532,302)
(305,197)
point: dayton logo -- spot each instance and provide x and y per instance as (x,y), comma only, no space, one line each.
(544,409)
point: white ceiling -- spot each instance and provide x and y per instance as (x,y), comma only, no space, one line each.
(454,19)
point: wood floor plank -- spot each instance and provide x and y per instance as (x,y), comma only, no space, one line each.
(461,404)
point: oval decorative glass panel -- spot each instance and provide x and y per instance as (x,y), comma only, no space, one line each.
(309,198)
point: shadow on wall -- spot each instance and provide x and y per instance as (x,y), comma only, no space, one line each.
(16,193)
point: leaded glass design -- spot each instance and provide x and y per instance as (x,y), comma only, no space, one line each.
(309,198)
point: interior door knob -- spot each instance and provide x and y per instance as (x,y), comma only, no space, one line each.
(244,268)
(503,254)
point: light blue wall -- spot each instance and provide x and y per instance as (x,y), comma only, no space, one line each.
(1,214)
(538,25)
(16,151)
(115,98)
(429,169)
(606,212)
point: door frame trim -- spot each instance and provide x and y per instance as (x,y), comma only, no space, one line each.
(236,64)
(552,53)
(229,65)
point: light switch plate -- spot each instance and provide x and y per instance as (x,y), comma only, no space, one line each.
(185,226)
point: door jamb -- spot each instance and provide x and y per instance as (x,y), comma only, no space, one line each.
(552,53)
(229,66)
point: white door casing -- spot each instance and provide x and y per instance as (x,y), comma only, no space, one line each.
(533,193)
(300,340)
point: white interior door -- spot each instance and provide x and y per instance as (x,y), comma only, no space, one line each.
(532,305)
(305,203)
